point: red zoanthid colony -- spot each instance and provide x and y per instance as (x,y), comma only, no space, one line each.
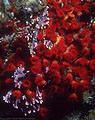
(46,53)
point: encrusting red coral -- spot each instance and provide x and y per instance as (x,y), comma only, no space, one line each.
(17,94)
(69,62)
(26,83)
(39,81)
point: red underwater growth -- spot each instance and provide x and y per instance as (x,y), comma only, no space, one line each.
(57,59)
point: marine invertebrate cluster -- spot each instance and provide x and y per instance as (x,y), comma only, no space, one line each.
(55,47)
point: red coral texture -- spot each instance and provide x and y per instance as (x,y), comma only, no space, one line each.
(67,67)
